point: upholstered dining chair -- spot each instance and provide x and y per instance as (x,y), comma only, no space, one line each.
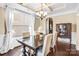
(46,45)
(37,38)
(26,34)
(55,42)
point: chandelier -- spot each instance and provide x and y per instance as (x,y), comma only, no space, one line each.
(42,14)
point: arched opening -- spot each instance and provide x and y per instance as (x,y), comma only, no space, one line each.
(49,25)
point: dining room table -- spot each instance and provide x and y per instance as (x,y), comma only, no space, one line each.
(30,43)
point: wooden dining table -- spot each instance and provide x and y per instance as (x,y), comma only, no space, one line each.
(31,44)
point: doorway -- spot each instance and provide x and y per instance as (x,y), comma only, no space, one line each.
(49,25)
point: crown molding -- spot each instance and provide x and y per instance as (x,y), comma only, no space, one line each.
(63,13)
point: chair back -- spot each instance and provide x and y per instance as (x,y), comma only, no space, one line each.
(47,44)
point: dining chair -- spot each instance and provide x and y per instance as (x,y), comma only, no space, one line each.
(37,38)
(26,34)
(55,42)
(46,45)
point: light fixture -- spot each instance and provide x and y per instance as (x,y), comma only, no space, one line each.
(41,13)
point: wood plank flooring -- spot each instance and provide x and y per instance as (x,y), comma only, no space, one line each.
(60,51)
(14,52)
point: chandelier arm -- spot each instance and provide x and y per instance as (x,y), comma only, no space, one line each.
(42,14)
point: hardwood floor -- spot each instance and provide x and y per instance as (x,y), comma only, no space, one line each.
(14,52)
(60,51)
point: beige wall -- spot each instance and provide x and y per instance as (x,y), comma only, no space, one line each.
(2,21)
(68,18)
(77,32)
(37,23)
(22,22)
(19,23)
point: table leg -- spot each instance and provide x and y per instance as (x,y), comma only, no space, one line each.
(24,51)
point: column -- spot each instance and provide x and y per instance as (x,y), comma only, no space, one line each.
(31,28)
(8,36)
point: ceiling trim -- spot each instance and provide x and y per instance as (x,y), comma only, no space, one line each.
(63,13)
(49,7)
(21,9)
(27,7)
